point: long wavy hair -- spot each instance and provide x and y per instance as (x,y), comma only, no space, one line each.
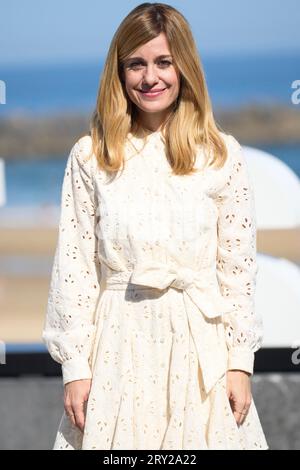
(189,125)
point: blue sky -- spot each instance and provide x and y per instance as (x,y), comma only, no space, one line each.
(57,31)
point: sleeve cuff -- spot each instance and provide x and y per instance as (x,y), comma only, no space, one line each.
(76,369)
(242,359)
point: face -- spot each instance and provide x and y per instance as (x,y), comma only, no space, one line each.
(152,81)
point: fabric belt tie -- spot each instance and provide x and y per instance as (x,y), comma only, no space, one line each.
(200,289)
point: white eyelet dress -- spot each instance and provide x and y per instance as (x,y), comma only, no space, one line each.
(152,297)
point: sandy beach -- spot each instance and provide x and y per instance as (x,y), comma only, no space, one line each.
(23,298)
(34,241)
(23,306)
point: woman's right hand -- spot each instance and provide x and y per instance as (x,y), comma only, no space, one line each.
(76,394)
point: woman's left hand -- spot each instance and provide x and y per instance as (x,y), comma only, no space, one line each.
(238,389)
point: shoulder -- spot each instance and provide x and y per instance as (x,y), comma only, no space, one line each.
(232,144)
(237,168)
(235,155)
(234,168)
(82,148)
(81,155)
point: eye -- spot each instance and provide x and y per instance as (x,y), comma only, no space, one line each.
(165,62)
(162,63)
(134,65)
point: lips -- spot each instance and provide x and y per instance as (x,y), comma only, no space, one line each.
(152,91)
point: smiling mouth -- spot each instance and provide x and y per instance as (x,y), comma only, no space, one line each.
(152,93)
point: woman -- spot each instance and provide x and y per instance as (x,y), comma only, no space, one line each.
(151,303)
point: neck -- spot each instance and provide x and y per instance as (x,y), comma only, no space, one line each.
(153,123)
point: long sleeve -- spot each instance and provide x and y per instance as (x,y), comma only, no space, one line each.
(237,262)
(75,280)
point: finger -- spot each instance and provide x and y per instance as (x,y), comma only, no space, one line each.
(79,416)
(72,419)
(237,417)
(243,416)
(248,402)
(241,422)
(240,417)
(70,414)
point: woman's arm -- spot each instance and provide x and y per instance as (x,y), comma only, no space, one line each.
(236,260)
(75,280)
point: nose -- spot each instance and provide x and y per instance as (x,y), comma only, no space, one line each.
(150,76)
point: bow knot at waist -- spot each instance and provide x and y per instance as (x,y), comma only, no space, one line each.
(200,289)
(200,285)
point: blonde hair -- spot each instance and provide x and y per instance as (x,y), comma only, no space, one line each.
(190,124)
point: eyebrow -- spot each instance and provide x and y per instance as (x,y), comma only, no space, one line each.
(163,56)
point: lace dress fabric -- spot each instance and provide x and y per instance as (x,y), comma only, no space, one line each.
(152,297)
